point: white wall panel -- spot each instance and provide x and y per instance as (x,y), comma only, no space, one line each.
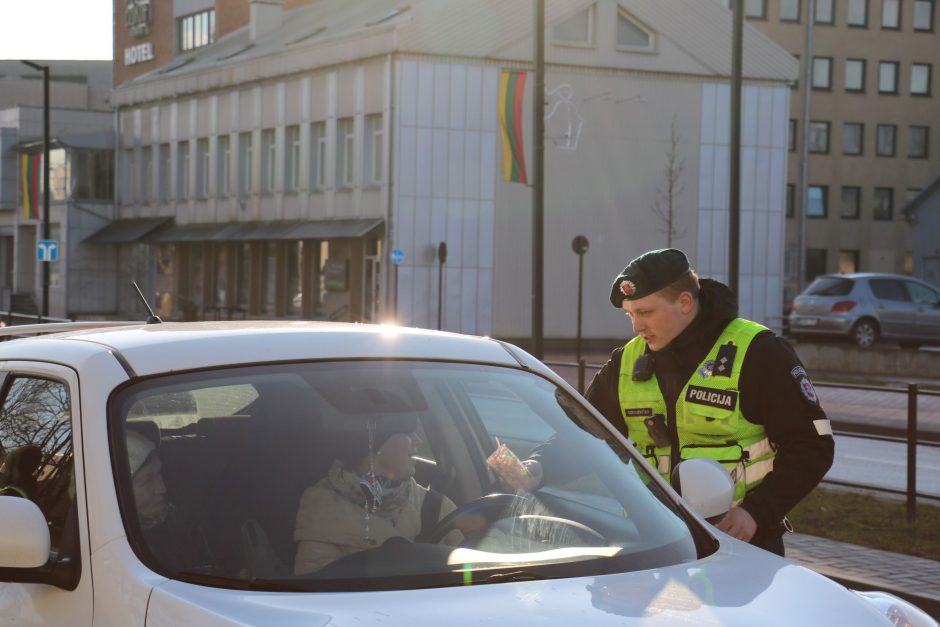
(407,156)
(439,162)
(425,104)
(471,165)
(458,96)
(441,95)
(468,309)
(455,164)
(423,162)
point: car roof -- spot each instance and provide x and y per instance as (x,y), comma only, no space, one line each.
(868,275)
(170,346)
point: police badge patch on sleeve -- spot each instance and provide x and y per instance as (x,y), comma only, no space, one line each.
(806,386)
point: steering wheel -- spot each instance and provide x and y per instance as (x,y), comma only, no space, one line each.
(506,511)
(476,515)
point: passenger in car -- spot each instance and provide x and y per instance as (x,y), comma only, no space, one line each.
(368,497)
(177,544)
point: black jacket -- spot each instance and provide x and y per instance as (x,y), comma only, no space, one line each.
(774,392)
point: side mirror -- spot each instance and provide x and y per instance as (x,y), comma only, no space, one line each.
(706,486)
(24,541)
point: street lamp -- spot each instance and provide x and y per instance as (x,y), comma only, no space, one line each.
(46,229)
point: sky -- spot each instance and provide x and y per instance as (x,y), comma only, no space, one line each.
(56,29)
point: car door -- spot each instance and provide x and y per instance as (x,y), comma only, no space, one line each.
(893,306)
(927,315)
(40,438)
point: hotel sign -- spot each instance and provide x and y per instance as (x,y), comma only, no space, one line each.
(138,17)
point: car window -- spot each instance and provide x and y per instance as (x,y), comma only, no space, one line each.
(36,459)
(830,286)
(921,294)
(320,480)
(888,289)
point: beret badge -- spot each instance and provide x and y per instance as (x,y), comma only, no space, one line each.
(627,287)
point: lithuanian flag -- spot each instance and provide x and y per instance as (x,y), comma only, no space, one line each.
(511,89)
(30,168)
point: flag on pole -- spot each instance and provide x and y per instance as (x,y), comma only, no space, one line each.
(511,90)
(30,168)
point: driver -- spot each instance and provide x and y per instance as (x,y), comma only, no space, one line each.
(368,497)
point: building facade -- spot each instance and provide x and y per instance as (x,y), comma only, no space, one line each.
(272,170)
(80,179)
(873,128)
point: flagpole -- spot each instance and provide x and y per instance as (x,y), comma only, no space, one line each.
(538,192)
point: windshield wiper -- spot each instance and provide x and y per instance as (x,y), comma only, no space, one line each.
(515,575)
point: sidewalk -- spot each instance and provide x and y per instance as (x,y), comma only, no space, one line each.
(913,578)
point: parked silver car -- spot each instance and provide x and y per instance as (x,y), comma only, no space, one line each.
(866,306)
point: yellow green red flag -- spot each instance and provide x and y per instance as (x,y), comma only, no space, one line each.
(511,90)
(29,173)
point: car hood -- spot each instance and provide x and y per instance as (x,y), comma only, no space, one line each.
(739,584)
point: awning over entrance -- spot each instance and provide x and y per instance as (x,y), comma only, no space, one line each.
(125,230)
(271,230)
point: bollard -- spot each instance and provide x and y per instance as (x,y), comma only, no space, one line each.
(911,451)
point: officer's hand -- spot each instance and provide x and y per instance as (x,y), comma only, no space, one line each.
(739,524)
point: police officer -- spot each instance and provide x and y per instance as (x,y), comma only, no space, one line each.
(698,381)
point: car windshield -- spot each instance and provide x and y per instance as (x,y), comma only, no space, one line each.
(830,286)
(382,475)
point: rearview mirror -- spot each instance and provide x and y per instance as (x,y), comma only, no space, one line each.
(24,541)
(706,486)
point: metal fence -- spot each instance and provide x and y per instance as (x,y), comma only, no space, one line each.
(910,436)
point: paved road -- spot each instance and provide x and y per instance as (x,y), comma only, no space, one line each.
(879,409)
(884,464)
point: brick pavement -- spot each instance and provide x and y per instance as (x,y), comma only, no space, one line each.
(913,578)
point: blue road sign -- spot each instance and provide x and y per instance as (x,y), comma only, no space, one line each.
(398,256)
(47,250)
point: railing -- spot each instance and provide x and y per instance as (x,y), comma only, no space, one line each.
(910,434)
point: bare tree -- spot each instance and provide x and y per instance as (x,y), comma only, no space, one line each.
(666,205)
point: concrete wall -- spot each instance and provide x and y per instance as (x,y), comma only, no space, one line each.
(886,361)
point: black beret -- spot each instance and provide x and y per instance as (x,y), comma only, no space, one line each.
(647,274)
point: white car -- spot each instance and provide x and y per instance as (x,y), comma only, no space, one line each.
(176,474)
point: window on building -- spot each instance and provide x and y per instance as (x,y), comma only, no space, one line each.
(224,163)
(853,136)
(818,201)
(920,79)
(127,177)
(819,137)
(196,30)
(789,10)
(166,162)
(923,15)
(182,170)
(631,35)
(888,77)
(202,168)
(317,156)
(918,140)
(855,75)
(268,160)
(815,263)
(857,13)
(577,30)
(791,136)
(791,201)
(374,150)
(884,203)
(848,261)
(292,159)
(93,174)
(245,163)
(886,140)
(755,8)
(825,14)
(795,84)
(891,14)
(822,72)
(345,152)
(146,174)
(851,202)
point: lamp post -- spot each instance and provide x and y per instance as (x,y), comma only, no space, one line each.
(46,228)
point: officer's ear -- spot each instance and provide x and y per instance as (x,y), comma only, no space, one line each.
(686,302)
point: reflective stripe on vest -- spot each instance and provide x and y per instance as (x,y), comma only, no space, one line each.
(709,422)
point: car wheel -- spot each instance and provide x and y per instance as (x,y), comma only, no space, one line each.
(864,333)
